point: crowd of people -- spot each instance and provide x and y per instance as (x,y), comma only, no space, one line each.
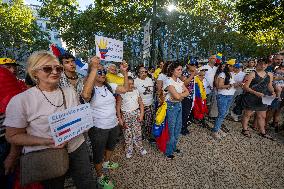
(129,102)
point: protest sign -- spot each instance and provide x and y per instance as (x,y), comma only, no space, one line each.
(70,123)
(147,40)
(109,49)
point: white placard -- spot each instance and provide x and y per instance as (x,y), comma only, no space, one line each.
(147,40)
(70,123)
(267,100)
(109,49)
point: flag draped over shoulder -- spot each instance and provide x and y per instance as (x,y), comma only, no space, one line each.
(199,100)
(9,87)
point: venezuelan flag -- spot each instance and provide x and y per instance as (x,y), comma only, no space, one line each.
(199,107)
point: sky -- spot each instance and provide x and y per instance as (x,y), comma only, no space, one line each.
(82,3)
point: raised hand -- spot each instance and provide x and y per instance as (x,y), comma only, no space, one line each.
(124,66)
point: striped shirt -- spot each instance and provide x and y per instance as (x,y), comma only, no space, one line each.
(2,128)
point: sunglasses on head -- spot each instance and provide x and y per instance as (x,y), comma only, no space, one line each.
(102,72)
(48,69)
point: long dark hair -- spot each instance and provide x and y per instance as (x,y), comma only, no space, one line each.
(227,74)
(165,67)
(172,68)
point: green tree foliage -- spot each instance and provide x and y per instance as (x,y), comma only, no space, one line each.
(19,32)
(263,21)
(197,28)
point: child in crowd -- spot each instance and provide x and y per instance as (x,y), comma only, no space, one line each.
(279,84)
(130,111)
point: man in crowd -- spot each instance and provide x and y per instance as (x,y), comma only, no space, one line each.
(188,79)
(209,77)
(275,113)
(69,77)
(10,86)
(276,61)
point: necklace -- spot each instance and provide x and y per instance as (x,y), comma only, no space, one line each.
(49,100)
(72,77)
(102,94)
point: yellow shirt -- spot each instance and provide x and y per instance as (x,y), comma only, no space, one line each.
(112,78)
(157,72)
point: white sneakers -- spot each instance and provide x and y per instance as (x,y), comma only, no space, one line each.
(216,135)
(128,155)
(143,152)
(234,116)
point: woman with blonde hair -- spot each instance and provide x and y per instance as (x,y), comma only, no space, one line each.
(27,119)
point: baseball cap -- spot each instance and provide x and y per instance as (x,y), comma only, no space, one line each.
(231,62)
(238,65)
(4,61)
(193,62)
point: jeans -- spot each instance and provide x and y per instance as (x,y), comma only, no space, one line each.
(223,102)
(174,116)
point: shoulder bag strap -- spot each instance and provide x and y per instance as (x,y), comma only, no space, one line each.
(257,84)
(64,98)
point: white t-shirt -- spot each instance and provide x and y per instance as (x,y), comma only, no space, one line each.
(103,104)
(230,91)
(209,77)
(129,74)
(239,77)
(163,77)
(31,109)
(177,85)
(130,101)
(146,90)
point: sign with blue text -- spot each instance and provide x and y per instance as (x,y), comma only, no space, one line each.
(70,123)
(109,49)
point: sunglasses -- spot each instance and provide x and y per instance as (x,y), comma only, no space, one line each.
(49,69)
(102,72)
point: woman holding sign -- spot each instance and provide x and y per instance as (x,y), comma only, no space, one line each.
(105,132)
(27,125)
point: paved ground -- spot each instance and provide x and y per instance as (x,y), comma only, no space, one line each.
(233,162)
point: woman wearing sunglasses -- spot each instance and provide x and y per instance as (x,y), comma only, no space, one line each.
(145,86)
(27,119)
(105,132)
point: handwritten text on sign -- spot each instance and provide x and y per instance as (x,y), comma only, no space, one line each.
(109,49)
(70,123)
